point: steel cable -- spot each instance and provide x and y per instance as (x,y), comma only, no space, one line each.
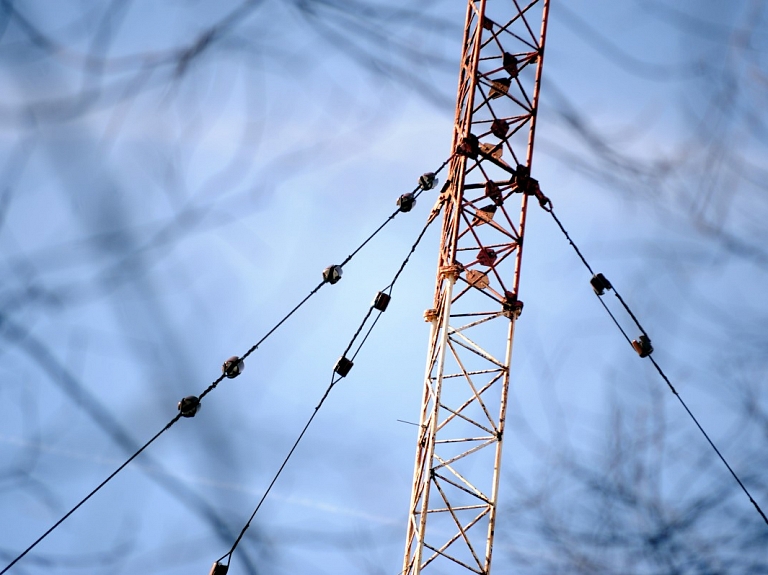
(415,194)
(663,375)
(335,378)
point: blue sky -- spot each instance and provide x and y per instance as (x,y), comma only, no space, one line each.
(158,233)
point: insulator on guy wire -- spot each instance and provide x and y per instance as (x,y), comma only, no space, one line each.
(233,367)
(332,274)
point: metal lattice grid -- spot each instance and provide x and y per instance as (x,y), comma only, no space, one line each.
(452,512)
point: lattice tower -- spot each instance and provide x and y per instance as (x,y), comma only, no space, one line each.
(453,506)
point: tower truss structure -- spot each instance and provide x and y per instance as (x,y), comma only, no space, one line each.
(453,507)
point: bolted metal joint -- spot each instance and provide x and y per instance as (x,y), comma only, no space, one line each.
(428,181)
(642,345)
(486,257)
(332,274)
(406,202)
(499,87)
(521,177)
(469,147)
(500,128)
(189,406)
(233,367)
(430,315)
(510,64)
(493,191)
(451,272)
(530,186)
(343,366)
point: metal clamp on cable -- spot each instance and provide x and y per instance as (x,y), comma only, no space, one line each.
(219,569)
(544,201)
(522,178)
(530,186)
(642,346)
(381,301)
(343,366)
(600,283)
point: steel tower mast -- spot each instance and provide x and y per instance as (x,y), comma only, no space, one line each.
(452,514)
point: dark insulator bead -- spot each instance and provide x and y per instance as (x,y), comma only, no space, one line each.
(406,202)
(343,366)
(428,181)
(233,367)
(189,406)
(332,274)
